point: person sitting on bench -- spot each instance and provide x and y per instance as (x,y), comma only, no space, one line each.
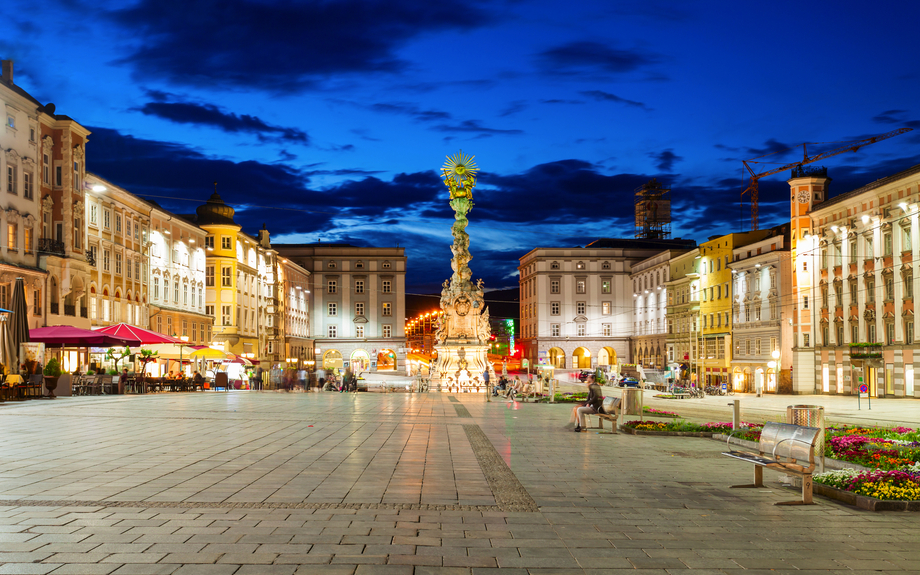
(591,405)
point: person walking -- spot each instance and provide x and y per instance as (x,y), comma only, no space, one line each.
(485,377)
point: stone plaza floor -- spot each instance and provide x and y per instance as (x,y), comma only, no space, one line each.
(403,484)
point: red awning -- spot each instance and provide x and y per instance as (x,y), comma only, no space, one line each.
(144,336)
(75,337)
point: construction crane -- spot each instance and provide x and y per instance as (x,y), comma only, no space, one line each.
(846,147)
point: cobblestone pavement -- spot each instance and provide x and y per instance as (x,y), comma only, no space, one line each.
(252,483)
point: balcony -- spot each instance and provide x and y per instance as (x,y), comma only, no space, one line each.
(84,312)
(50,246)
(70,310)
(54,309)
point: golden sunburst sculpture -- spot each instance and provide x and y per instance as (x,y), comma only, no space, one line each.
(459,173)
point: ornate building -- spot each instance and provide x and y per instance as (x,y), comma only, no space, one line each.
(117,225)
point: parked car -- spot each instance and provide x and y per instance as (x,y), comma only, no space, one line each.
(628,381)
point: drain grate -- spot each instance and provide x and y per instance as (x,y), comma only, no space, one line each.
(462,411)
(453,399)
(229,505)
(507,490)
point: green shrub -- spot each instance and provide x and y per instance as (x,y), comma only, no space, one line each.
(52,368)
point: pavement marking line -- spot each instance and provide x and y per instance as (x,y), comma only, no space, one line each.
(462,411)
(244,505)
(509,493)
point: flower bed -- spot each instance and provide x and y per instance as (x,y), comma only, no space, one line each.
(883,485)
(659,412)
(885,449)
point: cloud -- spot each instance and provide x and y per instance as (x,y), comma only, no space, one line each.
(513,108)
(280,46)
(896,117)
(665,160)
(558,101)
(212,116)
(608,97)
(771,146)
(475,127)
(408,109)
(593,57)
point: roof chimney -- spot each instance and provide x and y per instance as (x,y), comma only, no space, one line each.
(8,72)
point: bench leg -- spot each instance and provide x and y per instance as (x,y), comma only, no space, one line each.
(758,479)
(806,493)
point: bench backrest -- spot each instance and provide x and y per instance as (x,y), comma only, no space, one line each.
(788,442)
(610,405)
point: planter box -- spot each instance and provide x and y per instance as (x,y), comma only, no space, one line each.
(633,431)
(863,502)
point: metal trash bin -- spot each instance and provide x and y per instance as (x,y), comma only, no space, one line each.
(632,401)
(809,416)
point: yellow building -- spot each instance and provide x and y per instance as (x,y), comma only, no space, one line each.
(716,304)
(232,279)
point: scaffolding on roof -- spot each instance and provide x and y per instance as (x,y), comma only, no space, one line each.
(653,211)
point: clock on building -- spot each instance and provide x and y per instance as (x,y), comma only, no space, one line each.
(803,196)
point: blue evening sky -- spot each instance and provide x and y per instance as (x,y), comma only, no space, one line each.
(329,120)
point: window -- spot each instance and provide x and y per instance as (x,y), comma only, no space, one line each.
(889,333)
(554,330)
(580,329)
(359,286)
(804,266)
(156,288)
(554,308)
(128,267)
(605,286)
(359,308)
(127,227)
(184,294)
(194,331)
(209,310)
(580,286)
(209,276)
(106,266)
(226,276)
(554,266)
(871,333)
(387,308)
(386,286)
(908,332)
(854,333)
(27,244)
(386,265)
(106,219)
(209,242)
(605,308)
(11,179)
(76,175)
(92,306)
(607,329)
(331,331)
(839,334)
(27,190)
(331,286)
(46,169)
(226,243)
(388,331)
(888,247)
(580,266)
(605,266)
(333,309)
(359,331)
(823,258)
(853,252)
(359,265)
(580,308)
(226,312)
(805,302)
(118,223)
(806,339)
(12,235)
(59,178)
(554,286)
(908,285)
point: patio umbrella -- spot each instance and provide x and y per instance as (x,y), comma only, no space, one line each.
(7,355)
(145,336)
(208,353)
(69,336)
(19,329)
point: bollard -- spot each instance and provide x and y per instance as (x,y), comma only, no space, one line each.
(736,414)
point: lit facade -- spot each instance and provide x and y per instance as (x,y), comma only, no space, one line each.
(358,304)
(293,301)
(117,224)
(577,304)
(683,314)
(650,296)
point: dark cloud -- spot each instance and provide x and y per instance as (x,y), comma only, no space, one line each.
(594,57)
(280,45)
(212,116)
(475,127)
(896,117)
(513,108)
(771,146)
(601,96)
(558,101)
(665,159)
(412,110)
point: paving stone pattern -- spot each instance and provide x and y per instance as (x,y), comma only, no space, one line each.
(364,484)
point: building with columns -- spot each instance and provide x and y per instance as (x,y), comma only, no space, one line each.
(855,279)
(359,304)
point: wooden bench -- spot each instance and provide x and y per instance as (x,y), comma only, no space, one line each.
(610,412)
(786,448)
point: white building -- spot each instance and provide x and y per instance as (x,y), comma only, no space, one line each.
(359,304)
(650,296)
(577,304)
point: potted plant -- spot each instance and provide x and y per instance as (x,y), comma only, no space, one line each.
(52,372)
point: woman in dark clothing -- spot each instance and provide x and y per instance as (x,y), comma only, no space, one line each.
(592,405)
